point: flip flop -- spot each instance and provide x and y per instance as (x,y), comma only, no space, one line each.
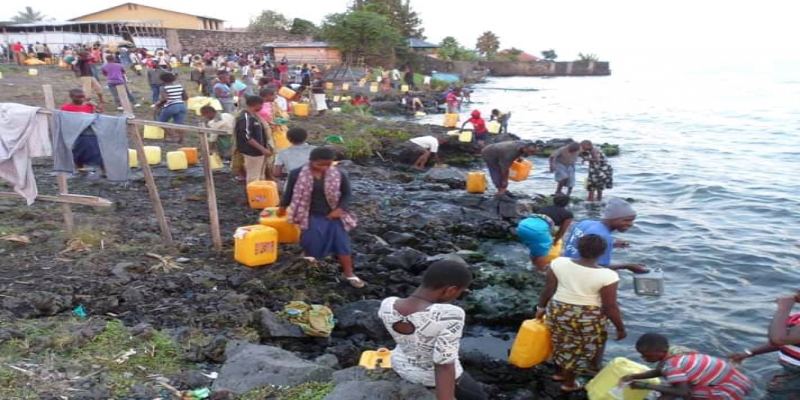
(573,389)
(356,282)
(557,378)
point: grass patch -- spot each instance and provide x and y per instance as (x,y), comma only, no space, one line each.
(90,235)
(390,134)
(306,391)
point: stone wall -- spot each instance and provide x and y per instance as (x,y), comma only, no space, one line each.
(196,41)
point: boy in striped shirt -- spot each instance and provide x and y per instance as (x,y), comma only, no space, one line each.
(689,375)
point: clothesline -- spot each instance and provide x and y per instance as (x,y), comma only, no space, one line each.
(164,125)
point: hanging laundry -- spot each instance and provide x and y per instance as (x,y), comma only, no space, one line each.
(23,136)
(111,136)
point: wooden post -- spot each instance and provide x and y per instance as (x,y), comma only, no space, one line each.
(61,178)
(211,192)
(133,131)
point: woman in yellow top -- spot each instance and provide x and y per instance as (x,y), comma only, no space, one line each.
(582,297)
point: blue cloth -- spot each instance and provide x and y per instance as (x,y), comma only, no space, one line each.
(589,227)
(86,151)
(175,111)
(534,232)
(325,237)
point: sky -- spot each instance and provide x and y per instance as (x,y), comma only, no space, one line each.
(677,31)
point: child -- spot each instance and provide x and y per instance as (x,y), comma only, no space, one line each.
(173,102)
(688,374)
(222,121)
(502,118)
(276,117)
(86,150)
(428,331)
(429,146)
(295,156)
(251,140)
(224,93)
(318,91)
(319,196)
(478,129)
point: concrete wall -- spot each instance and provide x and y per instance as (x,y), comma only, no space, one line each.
(137,12)
(545,68)
(519,68)
(195,41)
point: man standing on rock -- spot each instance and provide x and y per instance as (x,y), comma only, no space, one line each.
(618,216)
(500,156)
(562,163)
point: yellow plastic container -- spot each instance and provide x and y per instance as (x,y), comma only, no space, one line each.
(281,141)
(176,65)
(345,86)
(210,101)
(287,93)
(153,132)
(532,346)
(336,99)
(420,114)
(301,109)
(287,232)
(476,182)
(153,154)
(133,158)
(362,82)
(465,137)
(607,380)
(555,251)
(255,245)
(197,102)
(450,120)
(176,161)
(373,87)
(262,194)
(493,127)
(191,154)
(33,71)
(520,170)
(371,359)
(216,162)
(329,85)
(404,88)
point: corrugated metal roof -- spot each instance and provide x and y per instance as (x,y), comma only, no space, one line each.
(72,23)
(296,44)
(421,44)
(162,9)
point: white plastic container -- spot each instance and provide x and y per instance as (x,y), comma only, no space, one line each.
(650,283)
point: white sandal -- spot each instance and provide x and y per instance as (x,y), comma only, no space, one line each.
(356,282)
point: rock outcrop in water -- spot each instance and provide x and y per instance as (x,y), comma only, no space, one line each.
(204,314)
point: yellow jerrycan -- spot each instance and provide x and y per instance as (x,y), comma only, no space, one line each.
(520,170)
(287,232)
(605,385)
(255,245)
(476,182)
(532,346)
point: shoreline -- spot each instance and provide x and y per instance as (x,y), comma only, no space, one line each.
(407,220)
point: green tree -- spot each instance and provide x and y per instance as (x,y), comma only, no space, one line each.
(399,13)
(303,27)
(362,33)
(488,44)
(448,48)
(587,57)
(270,21)
(27,16)
(549,55)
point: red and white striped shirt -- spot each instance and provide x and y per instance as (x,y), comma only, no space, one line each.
(790,354)
(709,377)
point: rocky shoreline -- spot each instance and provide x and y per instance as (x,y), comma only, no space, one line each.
(209,314)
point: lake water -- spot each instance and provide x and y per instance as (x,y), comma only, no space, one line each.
(712,162)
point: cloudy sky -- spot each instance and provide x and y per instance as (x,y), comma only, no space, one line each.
(714,30)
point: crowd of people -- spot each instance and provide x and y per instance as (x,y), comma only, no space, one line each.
(579,299)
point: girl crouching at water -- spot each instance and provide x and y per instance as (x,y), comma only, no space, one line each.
(428,333)
(319,196)
(582,297)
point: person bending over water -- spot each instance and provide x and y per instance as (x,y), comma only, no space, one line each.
(581,297)
(689,374)
(784,337)
(562,164)
(428,331)
(537,231)
(618,216)
(500,156)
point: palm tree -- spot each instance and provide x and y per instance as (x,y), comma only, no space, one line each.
(549,55)
(488,44)
(588,57)
(28,16)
